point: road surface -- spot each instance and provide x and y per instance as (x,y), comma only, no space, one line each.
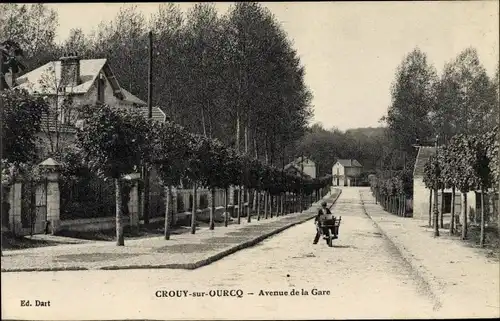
(361,277)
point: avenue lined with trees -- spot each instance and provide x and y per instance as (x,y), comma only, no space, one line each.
(458,113)
(228,123)
(235,82)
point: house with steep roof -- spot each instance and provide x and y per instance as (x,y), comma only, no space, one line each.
(421,193)
(345,172)
(302,165)
(71,82)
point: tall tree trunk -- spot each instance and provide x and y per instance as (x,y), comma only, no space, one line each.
(212,208)
(482,236)
(436,213)
(120,240)
(226,203)
(254,200)
(452,219)
(145,195)
(266,204)
(278,204)
(430,207)
(277,201)
(256,191)
(285,203)
(257,195)
(194,209)
(249,216)
(168,193)
(282,199)
(240,205)
(271,204)
(204,127)
(237,143)
(441,223)
(464,223)
(404,205)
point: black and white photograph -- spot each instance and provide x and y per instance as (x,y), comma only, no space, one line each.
(250,160)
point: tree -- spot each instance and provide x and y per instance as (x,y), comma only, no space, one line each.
(79,43)
(10,62)
(434,182)
(32,27)
(233,169)
(204,62)
(213,162)
(448,163)
(167,25)
(408,117)
(462,147)
(465,97)
(483,172)
(170,151)
(114,142)
(265,81)
(21,121)
(197,146)
(123,41)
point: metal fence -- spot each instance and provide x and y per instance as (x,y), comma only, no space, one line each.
(86,197)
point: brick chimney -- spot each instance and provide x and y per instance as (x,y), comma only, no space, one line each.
(70,70)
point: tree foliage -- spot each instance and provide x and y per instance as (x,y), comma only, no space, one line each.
(413,99)
(114,142)
(466,96)
(22,119)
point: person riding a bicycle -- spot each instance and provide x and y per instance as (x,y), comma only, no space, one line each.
(324,217)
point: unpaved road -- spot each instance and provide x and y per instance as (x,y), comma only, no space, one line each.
(364,274)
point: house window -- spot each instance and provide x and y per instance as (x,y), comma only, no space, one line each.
(101,82)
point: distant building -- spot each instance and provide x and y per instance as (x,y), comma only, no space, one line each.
(345,172)
(302,165)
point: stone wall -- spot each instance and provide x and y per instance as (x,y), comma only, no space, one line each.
(51,222)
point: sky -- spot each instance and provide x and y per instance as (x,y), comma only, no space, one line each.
(351,50)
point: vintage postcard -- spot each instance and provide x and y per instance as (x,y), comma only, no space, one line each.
(250,160)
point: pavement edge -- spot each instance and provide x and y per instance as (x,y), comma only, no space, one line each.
(184,266)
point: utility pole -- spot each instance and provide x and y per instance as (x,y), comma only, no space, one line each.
(1,134)
(150,76)
(436,181)
(145,193)
(1,70)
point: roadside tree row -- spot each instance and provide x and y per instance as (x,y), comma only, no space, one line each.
(114,143)
(391,189)
(467,163)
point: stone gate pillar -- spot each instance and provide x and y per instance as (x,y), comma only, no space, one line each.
(14,198)
(50,169)
(133,203)
(231,195)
